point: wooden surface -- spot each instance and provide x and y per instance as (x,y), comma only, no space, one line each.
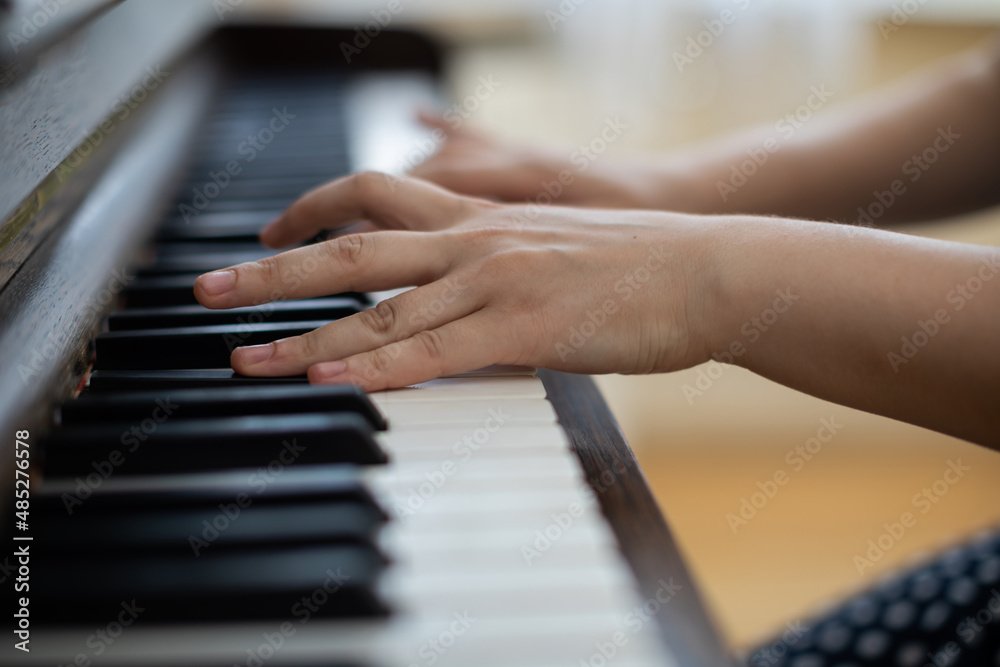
(625,498)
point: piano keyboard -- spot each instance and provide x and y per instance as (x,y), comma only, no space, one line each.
(229,520)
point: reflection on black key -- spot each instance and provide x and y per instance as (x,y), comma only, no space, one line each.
(300,310)
(148,380)
(219,585)
(200,262)
(178,290)
(167,446)
(133,407)
(226,525)
(189,347)
(334,483)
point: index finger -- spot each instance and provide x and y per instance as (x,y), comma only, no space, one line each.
(387,201)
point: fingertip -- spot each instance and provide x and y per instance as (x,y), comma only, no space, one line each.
(245,359)
(209,288)
(270,235)
(431,118)
(328,372)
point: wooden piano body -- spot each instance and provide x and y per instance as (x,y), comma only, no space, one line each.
(102,108)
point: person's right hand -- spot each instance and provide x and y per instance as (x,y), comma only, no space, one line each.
(475,163)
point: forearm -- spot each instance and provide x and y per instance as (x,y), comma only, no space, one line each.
(889,323)
(935,136)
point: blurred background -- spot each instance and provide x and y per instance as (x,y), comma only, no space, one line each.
(675,72)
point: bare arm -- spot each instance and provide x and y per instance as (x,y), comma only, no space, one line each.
(930,145)
(935,135)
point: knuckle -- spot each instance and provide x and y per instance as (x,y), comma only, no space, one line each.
(354,249)
(368,184)
(378,362)
(382,319)
(268,270)
(431,346)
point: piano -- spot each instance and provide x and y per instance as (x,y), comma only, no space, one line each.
(160,510)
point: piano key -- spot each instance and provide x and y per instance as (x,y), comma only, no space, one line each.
(406,415)
(189,347)
(259,583)
(226,525)
(298,310)
(178,290)
(293,484)
(182,248)
(212,444)
(201,262)
(128,380)
(133,407)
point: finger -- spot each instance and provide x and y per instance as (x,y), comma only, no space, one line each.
(478,177)
(434,121)
(387,201)
(463,345)
(395,319)
(355,263)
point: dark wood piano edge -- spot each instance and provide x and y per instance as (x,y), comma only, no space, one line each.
(643,534)
(36,312)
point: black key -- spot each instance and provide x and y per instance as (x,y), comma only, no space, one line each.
(201,262)
(178,290)
(133,407)
(192,445)
(337,483)
(182,249)
(195,530)
(219,585)
(147,380)
(188,347)
(299,310)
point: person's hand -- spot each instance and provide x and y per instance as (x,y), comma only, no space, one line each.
(475,163)
(590,291)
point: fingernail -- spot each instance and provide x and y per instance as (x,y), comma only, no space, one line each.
(329,369)
(254,354)
(218,282)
